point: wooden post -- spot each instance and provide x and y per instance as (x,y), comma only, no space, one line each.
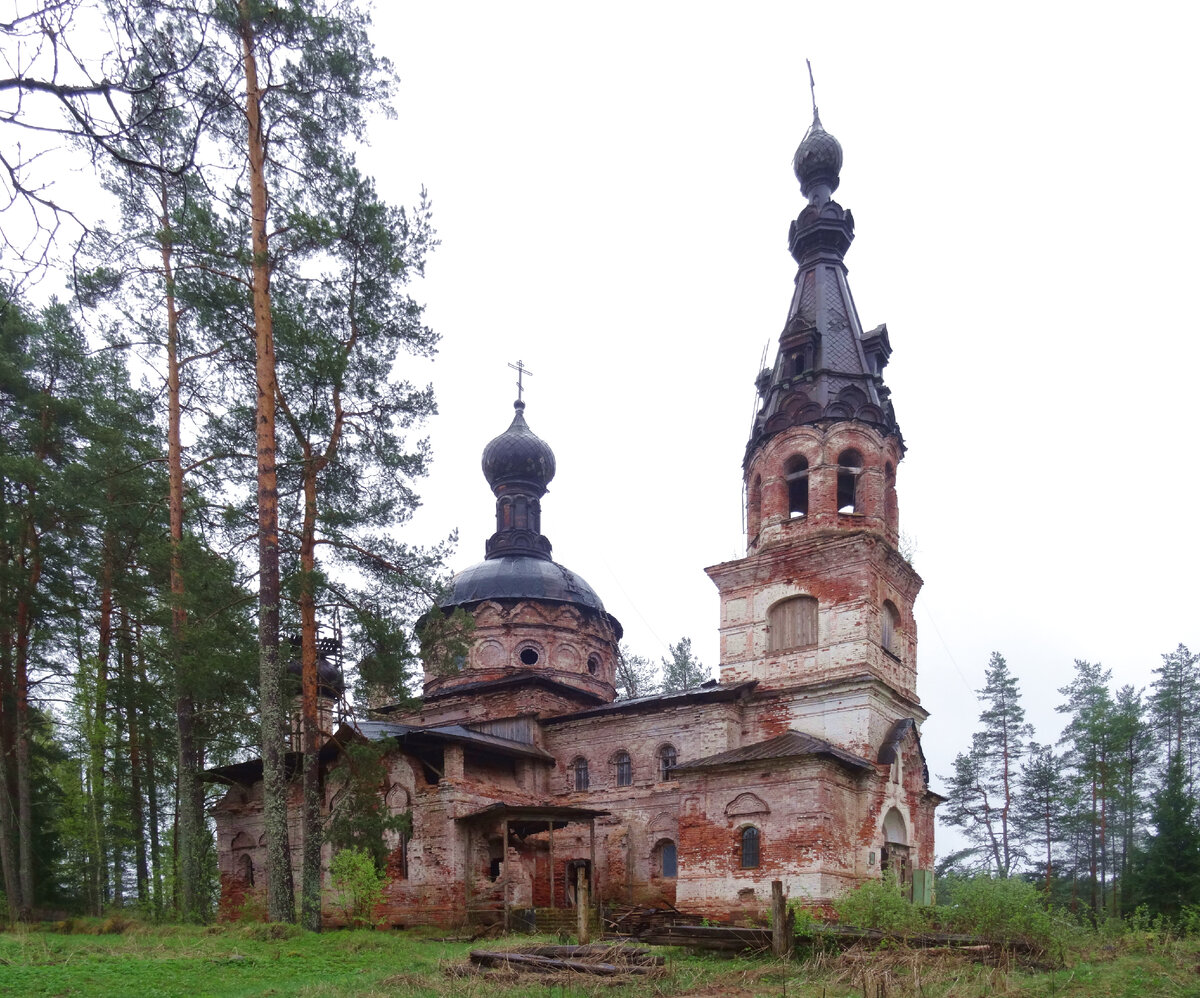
(781,922)
(504,872)
(551,823)
(592,871)
(468,869)
(581,906)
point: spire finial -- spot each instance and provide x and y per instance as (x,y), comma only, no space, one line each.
(812,88)
(521,370)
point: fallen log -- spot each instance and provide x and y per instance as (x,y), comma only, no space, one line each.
(546,965)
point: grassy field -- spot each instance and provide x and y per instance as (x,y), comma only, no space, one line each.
(226,961)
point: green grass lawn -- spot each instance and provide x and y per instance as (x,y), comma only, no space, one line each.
(227,962)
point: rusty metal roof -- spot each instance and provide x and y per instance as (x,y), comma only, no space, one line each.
(411,734)
(527,818)
(711,691)
(789,745)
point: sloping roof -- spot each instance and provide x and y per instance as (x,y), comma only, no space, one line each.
(529,818)
(414,734)
(521,679)
(789,745)
(251,770)
(709,692)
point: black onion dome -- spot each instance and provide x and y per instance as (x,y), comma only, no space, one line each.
(518,457)
(818,160)
(512,577)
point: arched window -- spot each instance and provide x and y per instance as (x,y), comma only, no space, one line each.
(246,870)
(666,858)
(580,769)
(792,623)
(668,759)
(624,769)
(749,850)
(889,637)
(795,472)
(849,468)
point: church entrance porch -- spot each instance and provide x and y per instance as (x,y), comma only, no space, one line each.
(523,864)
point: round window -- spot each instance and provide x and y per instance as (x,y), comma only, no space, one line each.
(529,656)
(593,664)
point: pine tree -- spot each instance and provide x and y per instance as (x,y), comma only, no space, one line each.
(1041,806)
(981,789)
(1175,707)
(682,671)
(636,675)
(44,380)
(1088,737)
(347,469)
(1167,874)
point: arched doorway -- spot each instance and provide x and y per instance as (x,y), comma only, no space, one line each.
(894,854)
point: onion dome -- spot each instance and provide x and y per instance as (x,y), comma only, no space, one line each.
(517,564)
(818,162)
(518,458)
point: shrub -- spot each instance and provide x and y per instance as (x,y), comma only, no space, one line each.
(999,909)
(879,904)
(358,886)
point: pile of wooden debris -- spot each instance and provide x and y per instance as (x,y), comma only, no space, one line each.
(599,959)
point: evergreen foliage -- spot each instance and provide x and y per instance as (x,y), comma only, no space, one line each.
(682,670)
(636,675)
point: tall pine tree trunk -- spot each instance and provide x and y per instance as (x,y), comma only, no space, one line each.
(32,564)
(151,788)
(136,798)
(310,865)
(191,817)
(281,902)
(8,773)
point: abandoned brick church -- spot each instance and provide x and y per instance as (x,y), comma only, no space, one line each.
(803,763)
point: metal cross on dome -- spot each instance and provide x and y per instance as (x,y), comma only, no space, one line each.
(521,370)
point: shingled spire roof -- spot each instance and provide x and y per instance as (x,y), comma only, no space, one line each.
(827,369)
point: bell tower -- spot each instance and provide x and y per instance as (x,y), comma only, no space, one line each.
(823,598)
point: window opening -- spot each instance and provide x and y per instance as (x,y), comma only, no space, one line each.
(624,769)
(668,758)
(529,656)
(246,871)
(749,848)
(580,768)
(593,664)
(849,468)
(796,475)
(668,859)
(891,624)
(792,623)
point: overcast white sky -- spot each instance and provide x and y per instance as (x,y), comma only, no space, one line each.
(612,185)
(613,188)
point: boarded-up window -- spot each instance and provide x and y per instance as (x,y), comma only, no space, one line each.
(792,623)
